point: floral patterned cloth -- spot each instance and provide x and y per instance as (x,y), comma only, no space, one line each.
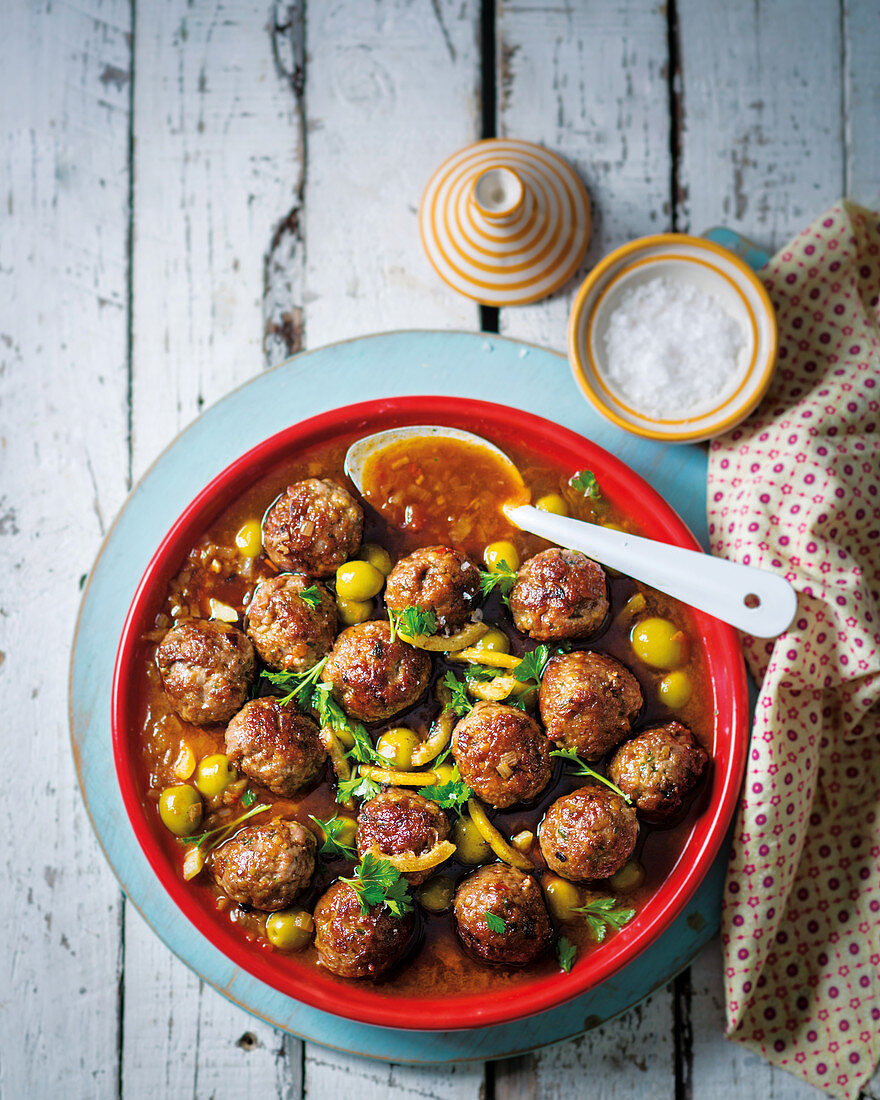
(797,488)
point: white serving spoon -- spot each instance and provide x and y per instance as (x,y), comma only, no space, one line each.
(756,601)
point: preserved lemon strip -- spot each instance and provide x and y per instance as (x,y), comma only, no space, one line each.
(492,691)
(406,863)
(489,658)
(193,862)
(495,840)
(390,778)
(336,753)
(435,744)
(185,764)
(455,642)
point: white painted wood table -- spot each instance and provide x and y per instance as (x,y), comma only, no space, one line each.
(191,191)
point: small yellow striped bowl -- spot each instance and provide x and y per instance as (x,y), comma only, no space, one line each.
(714,270)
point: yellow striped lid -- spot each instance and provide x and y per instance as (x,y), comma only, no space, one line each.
(505,222)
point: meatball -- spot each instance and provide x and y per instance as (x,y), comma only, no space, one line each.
(353,944)
(502,754)
(587,701)
(275,746)
(287,631)
(266,866)
(514,898)
(374,677)
(399,822)
(438,579)
(207,669)
(658,768)
(588,834)
(559,594)
(313,527)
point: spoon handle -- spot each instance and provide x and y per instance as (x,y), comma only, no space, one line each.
(756,601)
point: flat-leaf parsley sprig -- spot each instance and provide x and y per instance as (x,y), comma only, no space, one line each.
(378,882)
(584,769)
(332,845)
(451,795)
(495,923)
(584,481)
(458,699)
(302,685)
(501,577)
(601,914)
(566,953)
(412,622)
(311,595)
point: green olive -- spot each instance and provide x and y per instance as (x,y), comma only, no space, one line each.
(358,580)
(630,877)
(351,612)
(444,772)
(494,640)
(214,774)
(659,643)
(562,897)
(676,689)
(554,503)
(180,809)
(470,845)
(377,556)
(501,553)
(397,745)
(290,929)
(435,895)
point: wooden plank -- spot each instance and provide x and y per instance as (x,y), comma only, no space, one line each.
(761,115)
(64,120)
(589,81)
(331,1074)
(218,155)
(861,30)
(391,89)
(630,1057)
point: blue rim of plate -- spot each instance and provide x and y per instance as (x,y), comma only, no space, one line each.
(480,366)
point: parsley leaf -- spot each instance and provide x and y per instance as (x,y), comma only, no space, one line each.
(362,750)
(532,666)
(582,768)
(451,795)
(566,952)
(248,798)
(479,673)
(495,923)
(584,481)
(303,685)
(213,838)
(332,830)
(311,595)
(412,622)
(357,787)
(601,915)
(459,701)
(501,577)
(378,882)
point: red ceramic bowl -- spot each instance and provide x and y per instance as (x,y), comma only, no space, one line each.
(362,1002)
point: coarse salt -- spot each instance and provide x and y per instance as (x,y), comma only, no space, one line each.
(671,348)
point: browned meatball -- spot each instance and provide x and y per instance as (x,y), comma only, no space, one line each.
(287,631)
(588,834)
(275,746)
(206,670)
(513,898)
(587,701)
(313,527)
(266,866)
(374,677)
(559,594)
(353,944)
(401,822)
(502,754)
(438,579)
(658,768)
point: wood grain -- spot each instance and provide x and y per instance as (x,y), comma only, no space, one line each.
(761,108)
(218,154)
(64,120)
(861,100)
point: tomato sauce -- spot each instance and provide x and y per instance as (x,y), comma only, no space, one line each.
(432,497)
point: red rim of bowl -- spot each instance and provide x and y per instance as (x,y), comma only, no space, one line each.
(726,672)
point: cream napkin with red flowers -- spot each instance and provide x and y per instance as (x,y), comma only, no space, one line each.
(797,488)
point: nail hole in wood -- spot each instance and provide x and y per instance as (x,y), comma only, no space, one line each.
(752,600)
(248,1041)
